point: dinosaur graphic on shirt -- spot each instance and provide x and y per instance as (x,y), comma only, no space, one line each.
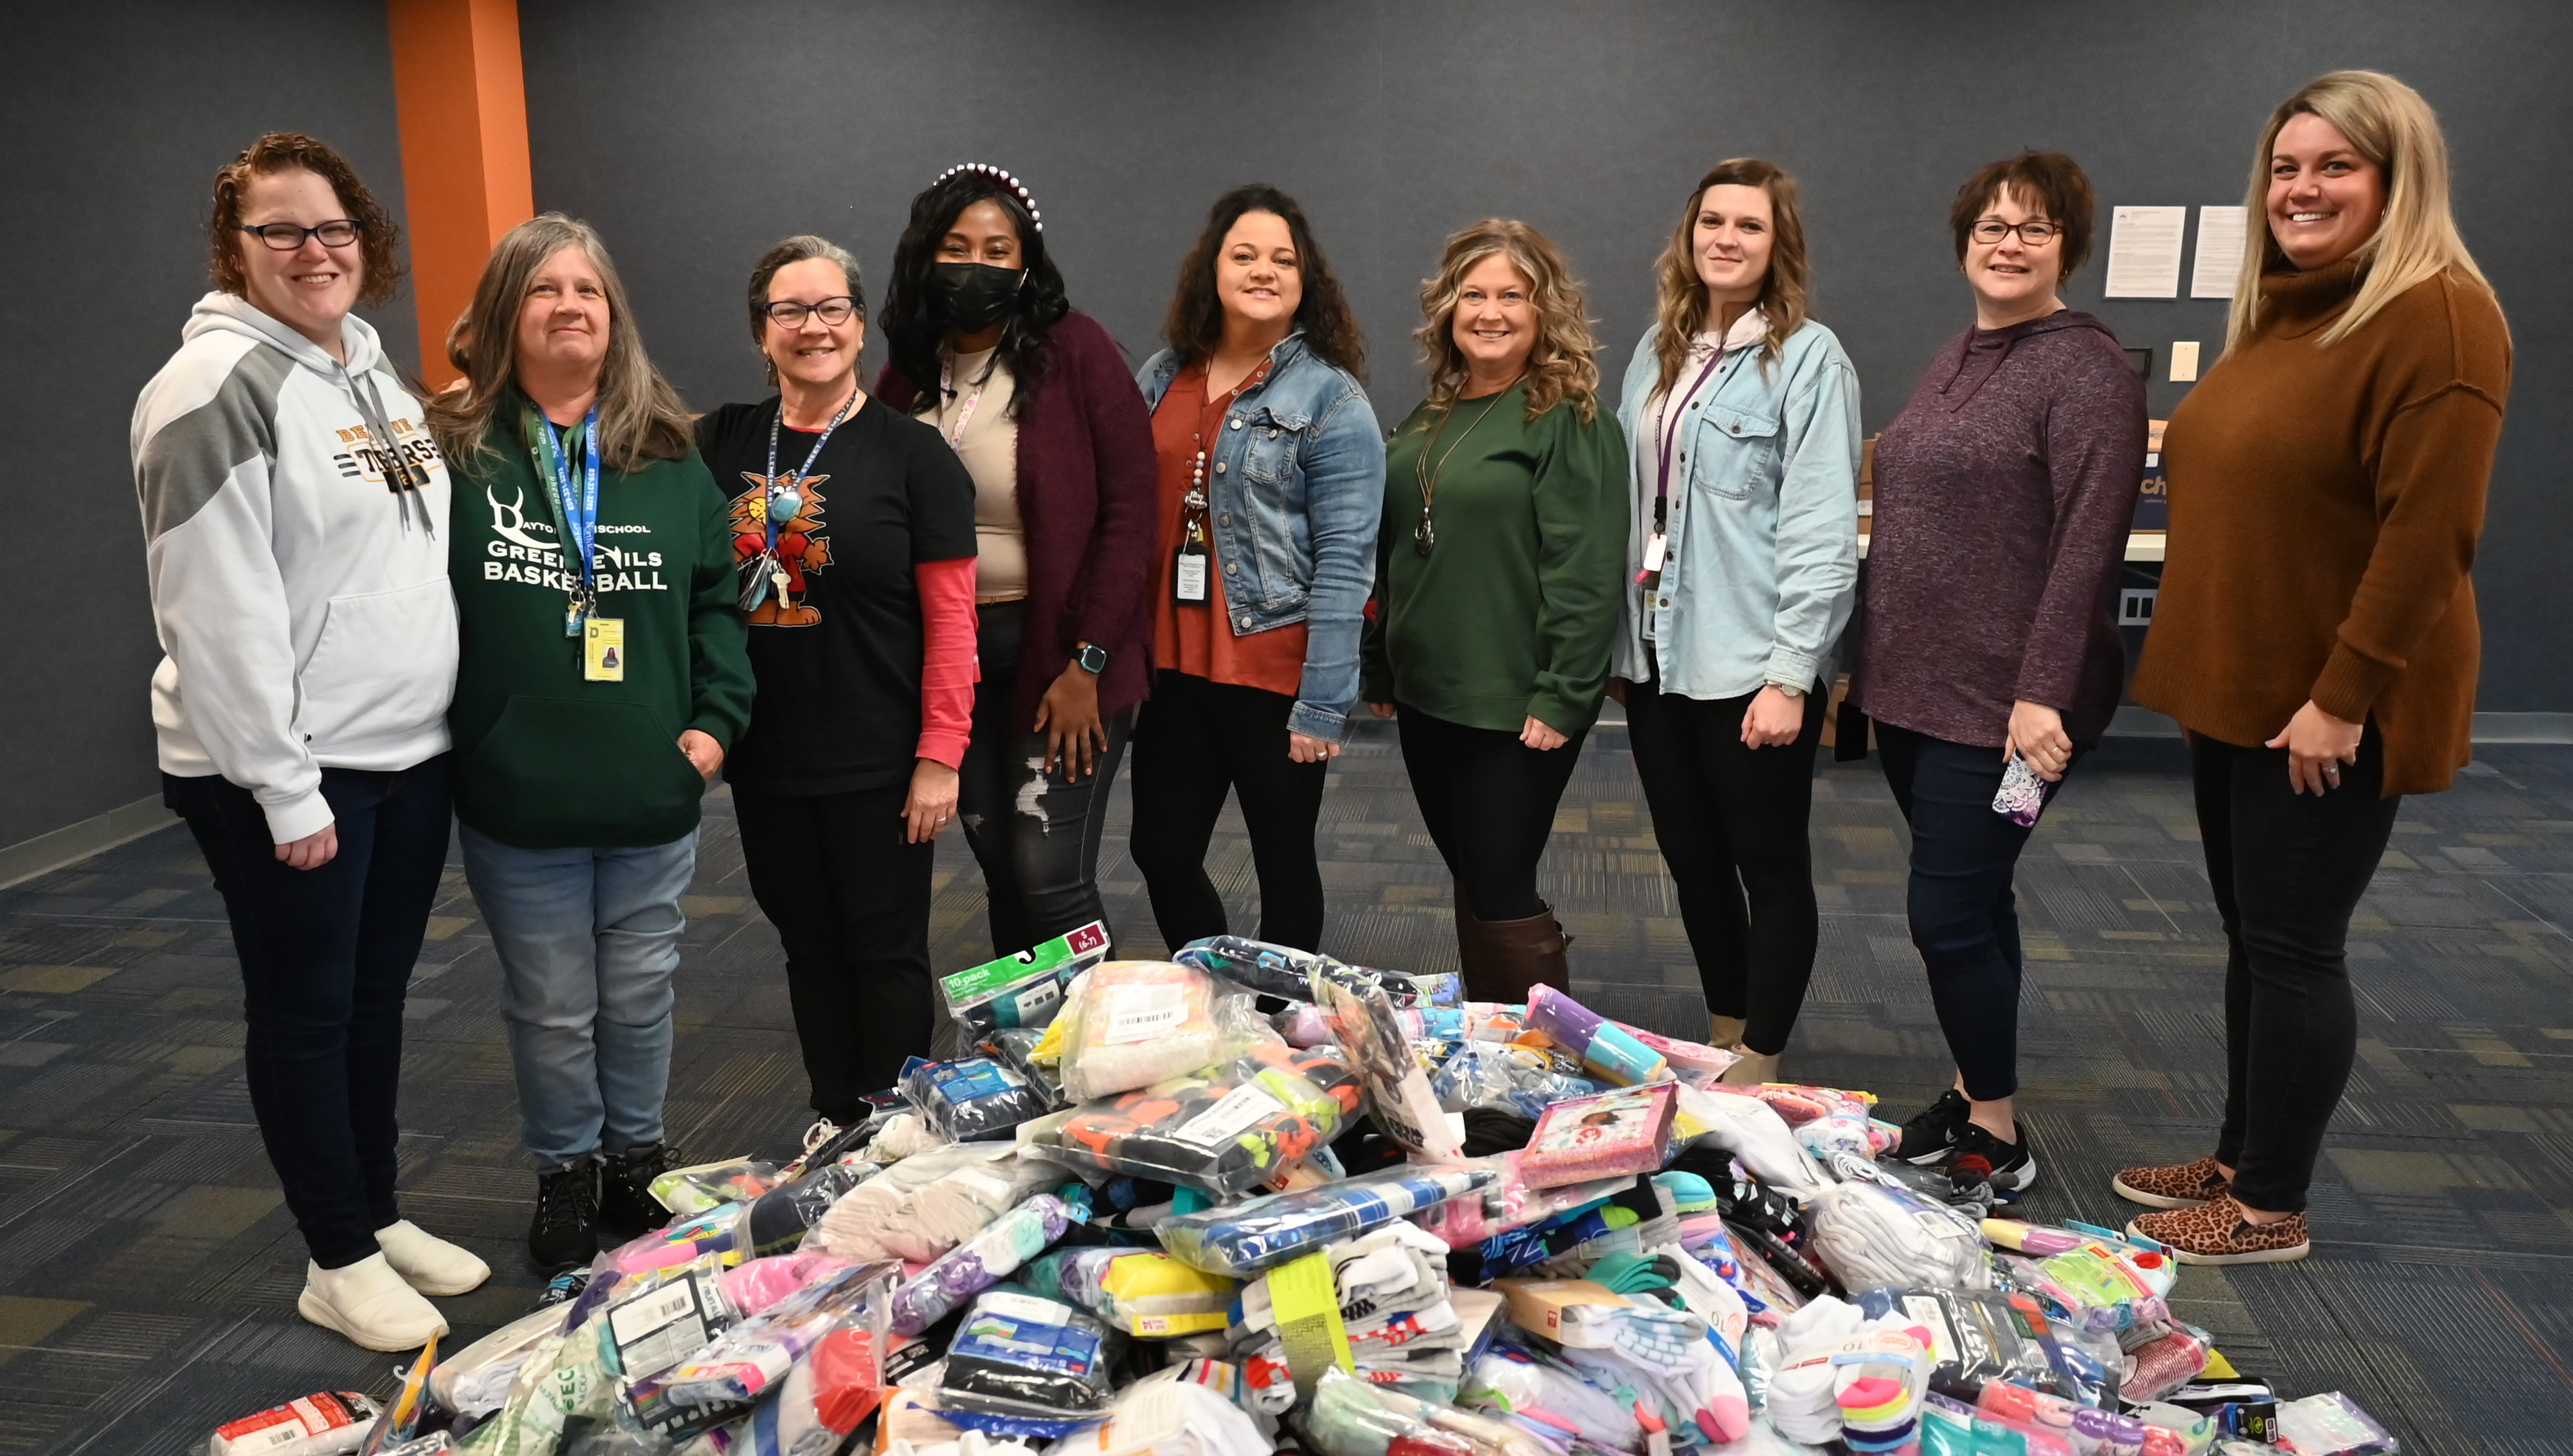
(801,548)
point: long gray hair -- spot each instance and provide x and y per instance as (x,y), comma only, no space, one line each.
(640,419)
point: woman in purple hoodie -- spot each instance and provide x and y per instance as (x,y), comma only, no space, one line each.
(1990,657)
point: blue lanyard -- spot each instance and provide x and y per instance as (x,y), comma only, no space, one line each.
(770,491)
(579,514)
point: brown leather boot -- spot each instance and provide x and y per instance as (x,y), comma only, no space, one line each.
(1473,949)
(1525,953)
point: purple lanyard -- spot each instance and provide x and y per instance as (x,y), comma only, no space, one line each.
(1669,438)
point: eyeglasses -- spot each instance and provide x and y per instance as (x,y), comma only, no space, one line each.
(2035,234)
(791,315)
(287,237)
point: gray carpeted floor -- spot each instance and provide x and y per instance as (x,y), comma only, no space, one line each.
(148,1270)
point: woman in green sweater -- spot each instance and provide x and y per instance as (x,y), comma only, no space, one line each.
(1497,581)
(601,677)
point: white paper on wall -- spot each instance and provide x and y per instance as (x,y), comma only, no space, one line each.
(2143,252)
(2219,253)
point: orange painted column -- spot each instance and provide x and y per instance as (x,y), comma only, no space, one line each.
(461,98)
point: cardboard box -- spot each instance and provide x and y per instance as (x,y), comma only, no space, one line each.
(1545,1307)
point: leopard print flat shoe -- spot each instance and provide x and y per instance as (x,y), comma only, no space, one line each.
(2216,1233)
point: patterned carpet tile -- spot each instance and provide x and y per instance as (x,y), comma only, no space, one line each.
(148,1270)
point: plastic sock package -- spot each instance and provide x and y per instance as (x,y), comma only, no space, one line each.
(972,1098)
(1240,1239)
(1371,1033)
(929,1202)
(1025,990)
(1222,1133)
(750,1358)
(1131,1024)
(1491,1074)
(1604,1047)
(1141,1291)
(325,1423)
(1285,971)
(1873,1233)
(1038,1365)
(979,1262)
(692,1190)
(1627,1131)
(476,1379)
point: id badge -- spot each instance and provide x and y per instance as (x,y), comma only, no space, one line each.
(1188,576)
(1656,546)
(602,650)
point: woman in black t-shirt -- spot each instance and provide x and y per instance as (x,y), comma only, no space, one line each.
(854,533)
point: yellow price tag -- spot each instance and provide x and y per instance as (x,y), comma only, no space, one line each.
(1307,1301)
(602,649)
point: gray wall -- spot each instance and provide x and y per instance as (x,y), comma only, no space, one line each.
(120,114)
(694,135)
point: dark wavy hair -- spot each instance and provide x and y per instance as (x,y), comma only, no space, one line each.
(1196,321)
(914,329)
(2050,184)
(378,238)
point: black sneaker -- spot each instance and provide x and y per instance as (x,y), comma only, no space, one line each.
(565,1234)
(627,1207)
(2013,1166)
(1928,1133)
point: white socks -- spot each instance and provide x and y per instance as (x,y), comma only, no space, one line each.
(369,1303)
(429,1263)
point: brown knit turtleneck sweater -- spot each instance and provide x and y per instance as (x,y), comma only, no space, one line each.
(2324,505)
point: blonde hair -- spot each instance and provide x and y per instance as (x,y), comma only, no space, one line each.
(1562,366)
(1785,294)
(640,419)
(2392,126)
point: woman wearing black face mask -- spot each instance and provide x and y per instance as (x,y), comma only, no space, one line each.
(1039,403)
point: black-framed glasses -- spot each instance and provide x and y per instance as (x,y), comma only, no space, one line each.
(2034,233)
(789,313)
(287,237)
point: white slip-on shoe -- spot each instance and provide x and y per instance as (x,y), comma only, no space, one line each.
(429,1263)
(369,1303)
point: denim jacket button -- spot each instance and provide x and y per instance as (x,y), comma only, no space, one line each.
(1219,466)
(1225,519)
(1237,424)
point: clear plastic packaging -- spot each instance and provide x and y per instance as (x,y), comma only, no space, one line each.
(1981,1337)
(1030,1359)
(325,1423)
(1371,1034)
(1583,1139)
(1240,1239)
(691,1190)
(1608,1048)
(1223,1132)
(1502,1077)
(1871,1234)
(979,1262)
(1025,990)
(751,1357)
(2332,1424)
(475,1380)
(1143,1292)
(972,1098)
(1131,1024)
(929,1202)
(1286,973)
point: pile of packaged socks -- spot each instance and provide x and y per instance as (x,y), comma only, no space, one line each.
(1253,1200)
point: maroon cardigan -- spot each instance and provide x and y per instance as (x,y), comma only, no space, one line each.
(1087,485)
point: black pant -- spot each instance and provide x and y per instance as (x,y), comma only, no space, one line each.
(1038,846)
(2288,870)
(1732,824)
(1197,740)
(326,957)
(1964,916)
(850,900)
(1489,800)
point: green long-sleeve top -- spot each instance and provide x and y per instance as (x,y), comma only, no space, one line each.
(545,759)
(1511,614)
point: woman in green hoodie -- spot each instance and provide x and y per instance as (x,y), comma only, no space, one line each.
(603,675)
(1499,567)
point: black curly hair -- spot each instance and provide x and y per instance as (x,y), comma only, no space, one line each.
(914,327)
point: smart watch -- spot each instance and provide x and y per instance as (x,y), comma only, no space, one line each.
(1091,657)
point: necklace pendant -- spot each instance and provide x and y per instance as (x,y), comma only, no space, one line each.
(1424,536)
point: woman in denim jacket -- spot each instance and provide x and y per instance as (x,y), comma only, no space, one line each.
(1743,558)
(1272,480)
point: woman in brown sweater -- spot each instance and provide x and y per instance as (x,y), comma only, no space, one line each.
(2316,631)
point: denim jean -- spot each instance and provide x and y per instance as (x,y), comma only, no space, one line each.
(326,957)
(2288,870)
(587,939)
(1964,912)
(1036,834)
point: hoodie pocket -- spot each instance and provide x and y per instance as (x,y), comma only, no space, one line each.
(383,668)
(570,771)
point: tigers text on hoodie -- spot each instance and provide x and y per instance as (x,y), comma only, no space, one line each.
(300,595)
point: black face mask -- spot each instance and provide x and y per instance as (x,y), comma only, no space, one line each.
(976,296)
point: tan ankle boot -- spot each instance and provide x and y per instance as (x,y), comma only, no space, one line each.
(1754,1068)
(1523,954)
(1724,1032)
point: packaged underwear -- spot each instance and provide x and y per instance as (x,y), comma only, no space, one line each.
(1141,1291)
(1131,1024)
(1223,1132)
(1627,1131)
(972,1098)
(1240,1239)
(1370,1032)
(1025,990)
(1285,971)
(1033,1360)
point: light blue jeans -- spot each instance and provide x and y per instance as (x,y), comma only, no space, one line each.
(588,939)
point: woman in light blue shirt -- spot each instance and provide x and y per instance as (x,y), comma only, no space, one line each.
(1742,414)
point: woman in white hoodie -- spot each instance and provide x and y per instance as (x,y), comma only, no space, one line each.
(294,510)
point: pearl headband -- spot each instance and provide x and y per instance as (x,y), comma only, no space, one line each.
(1017,189)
